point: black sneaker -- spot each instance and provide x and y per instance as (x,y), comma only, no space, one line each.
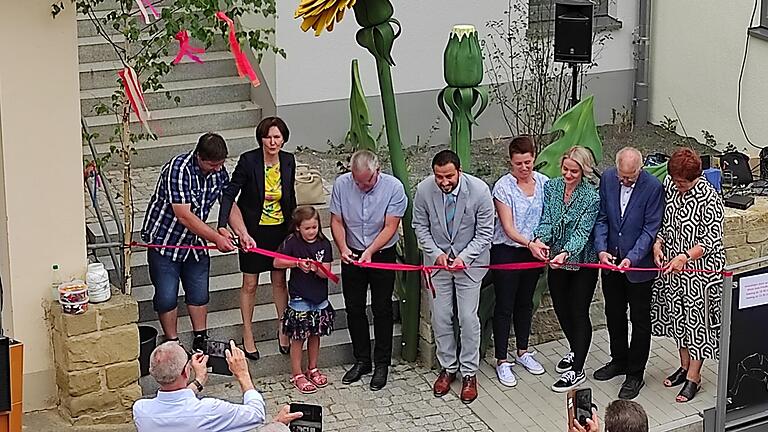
(631,387)
(565,364)
(568,381)
(609,371)
(200,343)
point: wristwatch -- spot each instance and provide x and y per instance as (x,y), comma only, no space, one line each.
(198,385)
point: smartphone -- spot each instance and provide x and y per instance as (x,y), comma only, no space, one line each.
(217,357)
(579,405)
(310,421)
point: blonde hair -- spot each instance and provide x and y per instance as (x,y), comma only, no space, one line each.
(583,157)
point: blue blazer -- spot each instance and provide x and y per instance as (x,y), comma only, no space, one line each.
(633,235)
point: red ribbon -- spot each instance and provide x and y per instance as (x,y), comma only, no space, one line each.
(135,96)
(243,65)
(185,49)
(426,270)
(329,274)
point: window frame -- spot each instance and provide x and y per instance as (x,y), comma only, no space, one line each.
(760,31)
(603,21)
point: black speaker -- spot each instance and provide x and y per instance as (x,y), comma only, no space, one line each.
(573,31)
(738,164)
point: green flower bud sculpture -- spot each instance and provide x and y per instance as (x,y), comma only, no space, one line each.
(463,71)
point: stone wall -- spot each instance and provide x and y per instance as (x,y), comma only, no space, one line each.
(96,360)
(746,232)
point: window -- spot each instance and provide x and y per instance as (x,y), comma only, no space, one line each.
(761,28)
(542,13)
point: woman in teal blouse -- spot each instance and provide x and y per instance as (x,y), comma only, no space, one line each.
(564,235)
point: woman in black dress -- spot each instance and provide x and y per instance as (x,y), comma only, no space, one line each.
(264,179)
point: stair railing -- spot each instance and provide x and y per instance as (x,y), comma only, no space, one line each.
(113,247)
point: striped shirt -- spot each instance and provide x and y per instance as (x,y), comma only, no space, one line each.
(181,182)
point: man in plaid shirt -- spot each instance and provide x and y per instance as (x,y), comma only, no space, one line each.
(188,186)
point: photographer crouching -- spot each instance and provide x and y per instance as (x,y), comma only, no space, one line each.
(177,408)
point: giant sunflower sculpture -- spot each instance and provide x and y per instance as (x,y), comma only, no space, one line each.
(322,14)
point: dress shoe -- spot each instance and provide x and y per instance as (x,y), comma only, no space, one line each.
(354,374)
(379,378)
(609,371)
(468,389)
(443,383)
(631,387)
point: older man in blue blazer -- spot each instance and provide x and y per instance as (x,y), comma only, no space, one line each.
(631,209)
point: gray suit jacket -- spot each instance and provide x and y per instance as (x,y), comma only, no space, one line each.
(472,225)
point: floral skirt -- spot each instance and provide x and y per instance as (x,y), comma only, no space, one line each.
(299,325)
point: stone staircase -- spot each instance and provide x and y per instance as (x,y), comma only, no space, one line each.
(211,98)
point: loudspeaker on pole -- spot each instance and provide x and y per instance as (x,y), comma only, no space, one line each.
(573,31)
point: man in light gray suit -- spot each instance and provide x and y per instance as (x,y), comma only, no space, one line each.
(453,217)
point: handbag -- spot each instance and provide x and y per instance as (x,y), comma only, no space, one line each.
(308,185)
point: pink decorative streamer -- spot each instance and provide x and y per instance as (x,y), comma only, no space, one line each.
(143,6)
(135,95)
(185,49)
(244,67)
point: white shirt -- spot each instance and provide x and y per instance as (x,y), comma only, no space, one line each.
(182,411)
(624,196)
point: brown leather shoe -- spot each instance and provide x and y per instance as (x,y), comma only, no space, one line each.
(468,389)
(443,383)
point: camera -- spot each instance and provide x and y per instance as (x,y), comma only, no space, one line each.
(311,419)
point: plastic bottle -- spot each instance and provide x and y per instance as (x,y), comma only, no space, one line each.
(97,279)
(55,282)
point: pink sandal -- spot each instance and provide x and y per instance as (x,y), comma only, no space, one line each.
(317,378)
(302,384)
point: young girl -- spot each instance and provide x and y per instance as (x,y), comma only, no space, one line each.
(309,315)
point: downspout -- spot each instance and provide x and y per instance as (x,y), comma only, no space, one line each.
(640,102)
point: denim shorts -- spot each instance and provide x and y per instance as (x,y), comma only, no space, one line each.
(165,275)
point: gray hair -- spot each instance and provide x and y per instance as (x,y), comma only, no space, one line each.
(626,151)
(364,160)
(167,362)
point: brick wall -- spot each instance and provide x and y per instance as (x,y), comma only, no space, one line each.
(96,360)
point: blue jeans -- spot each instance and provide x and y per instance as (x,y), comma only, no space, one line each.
(165,275)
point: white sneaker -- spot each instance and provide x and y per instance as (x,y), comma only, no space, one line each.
(530,364)
(506,377)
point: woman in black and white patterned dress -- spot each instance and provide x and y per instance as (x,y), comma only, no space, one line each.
(686,306)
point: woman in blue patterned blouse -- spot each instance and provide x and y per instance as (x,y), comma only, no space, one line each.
(519,200)
(565,235)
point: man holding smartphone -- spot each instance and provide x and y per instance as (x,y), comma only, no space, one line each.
(366,208)
(177,407)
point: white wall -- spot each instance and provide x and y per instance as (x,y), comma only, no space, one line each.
(696,53)
(41,178)
(318,68)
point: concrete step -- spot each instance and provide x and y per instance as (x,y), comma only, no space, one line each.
(183,121)
(97,48)
(221,264)
(224,293)
(227,324)
(94,229)
(158,152)
(109,5)
(103,74)
(203,91)
(86,28)
(335,350)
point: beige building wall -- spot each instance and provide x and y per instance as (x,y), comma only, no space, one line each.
(696,54)
(41,195)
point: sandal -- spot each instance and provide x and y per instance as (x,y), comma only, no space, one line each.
(676,378)
(689,390)
(302,384)
(317,378)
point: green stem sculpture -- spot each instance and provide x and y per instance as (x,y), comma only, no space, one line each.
(377,35)
(463,71)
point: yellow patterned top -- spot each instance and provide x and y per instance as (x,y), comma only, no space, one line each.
(272,213)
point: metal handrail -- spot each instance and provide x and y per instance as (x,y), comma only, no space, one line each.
(118,259)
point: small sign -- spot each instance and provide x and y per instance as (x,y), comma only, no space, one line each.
(753,291)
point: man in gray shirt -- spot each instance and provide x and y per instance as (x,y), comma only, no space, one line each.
(366,208)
